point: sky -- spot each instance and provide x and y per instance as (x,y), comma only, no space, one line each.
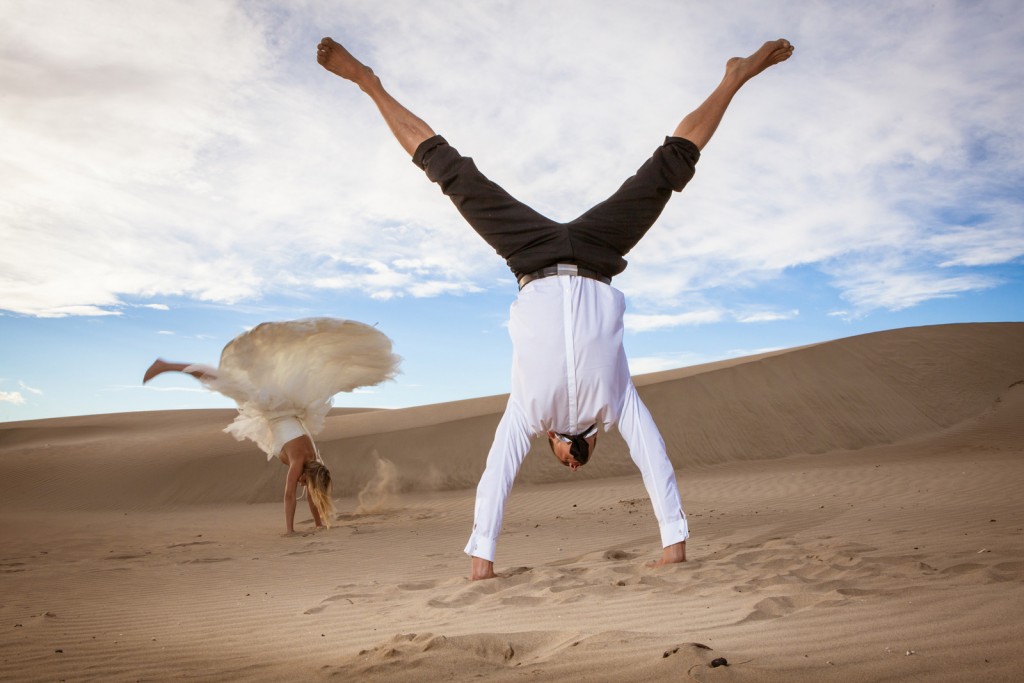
(173,173)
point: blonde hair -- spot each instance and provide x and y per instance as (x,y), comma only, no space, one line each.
(318,488)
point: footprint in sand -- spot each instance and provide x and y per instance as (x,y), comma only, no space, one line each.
(470,592)
(612,555)
(184,545)
(316,610)
(207,560)
(38,619)
(776,607)
(1006,571)
(986,574)
(524,601)
(347,597)
(650,583)
(124,557)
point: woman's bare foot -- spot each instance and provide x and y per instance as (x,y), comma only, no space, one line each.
(158,367)
(336,59)
(769,54)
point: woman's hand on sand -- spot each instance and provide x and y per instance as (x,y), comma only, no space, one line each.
(288,534)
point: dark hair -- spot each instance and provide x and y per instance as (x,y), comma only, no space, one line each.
(580,449)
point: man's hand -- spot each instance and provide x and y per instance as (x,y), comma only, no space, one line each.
(481,569)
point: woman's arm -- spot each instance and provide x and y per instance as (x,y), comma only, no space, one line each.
(291,481)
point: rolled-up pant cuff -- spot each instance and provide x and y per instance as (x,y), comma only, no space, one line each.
(481,547)
(674,532)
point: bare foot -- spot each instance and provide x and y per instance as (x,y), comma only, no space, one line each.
(481,569)
(159,366)
(336,59)
(769,54)
(673,554)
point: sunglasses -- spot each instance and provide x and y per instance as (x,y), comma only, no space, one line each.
(578,446)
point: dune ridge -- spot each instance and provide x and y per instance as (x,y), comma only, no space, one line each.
(841,395)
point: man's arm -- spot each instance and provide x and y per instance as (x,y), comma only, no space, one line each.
(511,444)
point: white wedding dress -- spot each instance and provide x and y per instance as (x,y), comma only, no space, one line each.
(283,375)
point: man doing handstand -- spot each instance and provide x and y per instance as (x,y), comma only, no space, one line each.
(570,377)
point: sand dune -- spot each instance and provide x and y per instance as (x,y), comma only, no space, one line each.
(847,394)
(855,508)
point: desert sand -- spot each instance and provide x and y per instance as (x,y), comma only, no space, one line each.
(855,506)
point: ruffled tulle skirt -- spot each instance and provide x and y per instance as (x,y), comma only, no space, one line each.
(292,369)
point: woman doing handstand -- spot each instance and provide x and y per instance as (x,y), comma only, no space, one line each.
(282,375)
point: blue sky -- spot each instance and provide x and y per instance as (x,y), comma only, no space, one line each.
(173,173)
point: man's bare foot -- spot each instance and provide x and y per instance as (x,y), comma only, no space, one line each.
(673,554)
(336,59)
(769,54)
(481,569)
(159,366)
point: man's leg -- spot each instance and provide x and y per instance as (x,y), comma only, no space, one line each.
(507,224)
(409,129)
(699,125)
(623,219)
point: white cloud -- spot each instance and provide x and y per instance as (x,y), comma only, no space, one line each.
(41,310)
(635,322)
(884,284)
(766,316)
(648,322)
(207,156)
(31,390)
(437,287)
(642,365)
(14,397)
(670,361)
(150,387)
(974,246)
(882,151)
